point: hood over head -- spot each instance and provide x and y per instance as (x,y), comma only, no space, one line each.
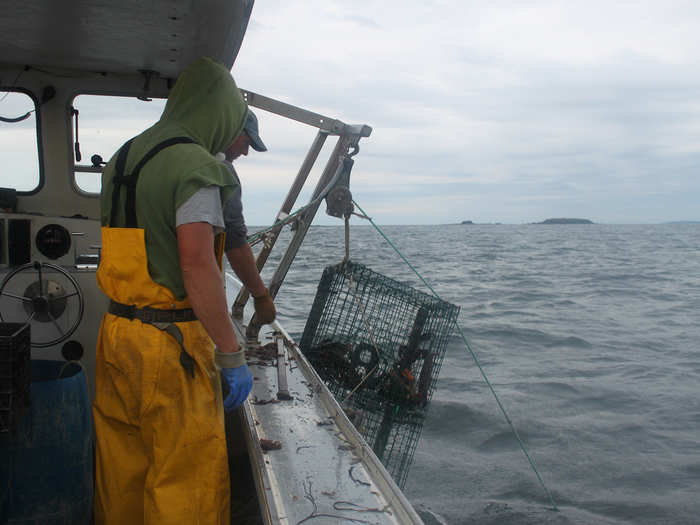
(206,102)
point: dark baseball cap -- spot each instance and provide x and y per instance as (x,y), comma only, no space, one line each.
(251,129)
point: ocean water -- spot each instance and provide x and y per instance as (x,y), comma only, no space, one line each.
(590,335)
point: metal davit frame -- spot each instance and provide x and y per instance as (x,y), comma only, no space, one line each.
(348,137)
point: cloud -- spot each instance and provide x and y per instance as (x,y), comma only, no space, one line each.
(503,111)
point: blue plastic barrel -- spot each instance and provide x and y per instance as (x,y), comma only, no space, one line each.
(46,464)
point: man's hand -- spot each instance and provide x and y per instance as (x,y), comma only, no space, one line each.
(239,382)
(243,263)
(264,308)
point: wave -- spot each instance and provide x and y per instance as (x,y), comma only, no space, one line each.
(529,336)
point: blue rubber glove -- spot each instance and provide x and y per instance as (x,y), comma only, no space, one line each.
(239,382)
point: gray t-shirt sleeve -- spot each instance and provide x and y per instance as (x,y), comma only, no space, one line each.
(203,206)
(236,230)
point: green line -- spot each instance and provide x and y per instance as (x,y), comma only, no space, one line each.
(279,224)
(476,360)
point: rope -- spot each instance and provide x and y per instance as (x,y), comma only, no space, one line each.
(363,313)
(476,360)
(257,236)
(351,284)
(347,238)
(336,517)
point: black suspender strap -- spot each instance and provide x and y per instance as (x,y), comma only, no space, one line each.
(130,180)
(117,181)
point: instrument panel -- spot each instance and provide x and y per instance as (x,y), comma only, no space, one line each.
(65,241)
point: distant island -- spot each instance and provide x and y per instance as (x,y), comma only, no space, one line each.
(565,221)
(562,220)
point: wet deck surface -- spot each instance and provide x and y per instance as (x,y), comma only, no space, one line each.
(319,470)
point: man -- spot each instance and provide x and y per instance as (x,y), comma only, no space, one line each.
(238,251)
(161,448)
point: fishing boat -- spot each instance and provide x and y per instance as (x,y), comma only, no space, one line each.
(302,458)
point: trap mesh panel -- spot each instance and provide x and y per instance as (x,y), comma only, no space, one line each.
(380,344)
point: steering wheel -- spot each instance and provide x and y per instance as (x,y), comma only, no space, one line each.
(46,297)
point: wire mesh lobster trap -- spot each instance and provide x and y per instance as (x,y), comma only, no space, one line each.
(379,344)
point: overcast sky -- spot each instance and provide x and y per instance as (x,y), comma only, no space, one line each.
(490,111)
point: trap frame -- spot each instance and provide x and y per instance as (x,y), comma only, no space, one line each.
(379,345)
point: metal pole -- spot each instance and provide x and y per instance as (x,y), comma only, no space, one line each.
(304,116)
(282,385)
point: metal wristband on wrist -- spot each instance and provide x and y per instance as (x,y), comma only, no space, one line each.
(229,359)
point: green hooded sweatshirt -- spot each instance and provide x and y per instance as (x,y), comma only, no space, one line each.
(205,105)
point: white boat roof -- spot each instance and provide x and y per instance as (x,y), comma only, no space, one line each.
(122,36)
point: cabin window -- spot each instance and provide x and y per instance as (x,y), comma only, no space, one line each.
(104,124)
(21,168)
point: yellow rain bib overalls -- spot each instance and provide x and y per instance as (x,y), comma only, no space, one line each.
(161,448)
